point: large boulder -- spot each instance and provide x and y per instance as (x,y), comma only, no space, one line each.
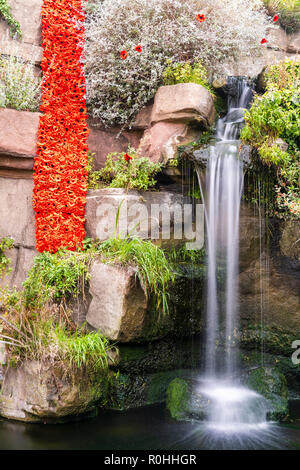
(184,103)
(270,383)
(160,142)
(39,392)
(119,308)
(119,305)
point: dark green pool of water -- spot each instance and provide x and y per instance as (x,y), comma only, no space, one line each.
(142,429)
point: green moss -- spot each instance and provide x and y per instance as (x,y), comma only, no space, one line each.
(177,398)
(274,340)
(271,383)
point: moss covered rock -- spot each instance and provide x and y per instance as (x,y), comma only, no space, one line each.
(177,398)
(271,383)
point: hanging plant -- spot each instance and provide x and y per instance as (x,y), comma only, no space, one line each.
(6,14)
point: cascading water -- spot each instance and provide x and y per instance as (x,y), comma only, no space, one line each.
(233,408)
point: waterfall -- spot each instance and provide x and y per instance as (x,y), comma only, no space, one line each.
(232,406)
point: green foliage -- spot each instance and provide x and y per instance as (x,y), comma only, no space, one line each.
(45,335)
(185,72)
(19,85)
(93,175)
(288,12)
(276,115)
(137,173)
(55,276)
(177,398)
(182,255)
(154,271)
(5,13)
(5,244)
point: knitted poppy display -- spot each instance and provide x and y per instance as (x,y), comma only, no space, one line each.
(60,176)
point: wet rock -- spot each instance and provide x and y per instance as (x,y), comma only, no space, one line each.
(184,102)
(290,240)
(177,398)
(36,392)
(271,383)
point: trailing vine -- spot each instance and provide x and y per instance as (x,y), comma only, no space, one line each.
(6,14)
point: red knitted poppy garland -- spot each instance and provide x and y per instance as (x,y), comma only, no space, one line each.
(60,175)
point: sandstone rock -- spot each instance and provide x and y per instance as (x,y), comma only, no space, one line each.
(22,260)
(39,392)
(160,142)
(18,133)
(290,240)
(135,207)
(28,13)
(294,44)
(103,141)
(119,306)
(183,103)
(16,211)
(143,119)
(266,291)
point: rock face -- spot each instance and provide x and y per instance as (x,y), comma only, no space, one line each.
(280,46)
(184,102)
(271,383)
(18,138)
(135,207)
(119,306)
(36,392)
(103,141)
(28,13)
(17,221)
(175,107)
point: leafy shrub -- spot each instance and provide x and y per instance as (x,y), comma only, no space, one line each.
(167,30)
(133,173)
(55,276)
(50,336)
(5,244)
(19,86)
(185,72)
(276,115)
(5,13)
(288,12)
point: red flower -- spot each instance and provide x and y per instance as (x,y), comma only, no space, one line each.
(138,49)
(60,177)
(127,157)
(263,41)
(124,55)
(275,18)
(200,18)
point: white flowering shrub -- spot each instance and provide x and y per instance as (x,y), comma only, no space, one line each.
(19,86)
(165,29)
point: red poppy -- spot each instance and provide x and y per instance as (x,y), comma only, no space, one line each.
(263,41)
(138,49)
(124,55)
(200,17)
(127,157)
(60,177)
(275,18)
